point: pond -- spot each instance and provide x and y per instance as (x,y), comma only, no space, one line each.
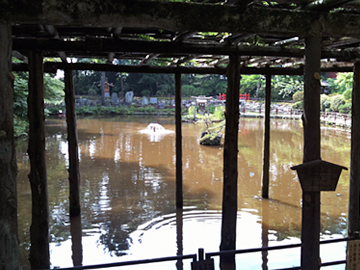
(128,194)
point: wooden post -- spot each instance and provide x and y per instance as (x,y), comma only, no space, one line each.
(179,173)
(310,230)
(74,170)
(265,232)
(76,240)
(9,243)
(230,169)
(266,153)
(179,238)
(354,192)
(39,230)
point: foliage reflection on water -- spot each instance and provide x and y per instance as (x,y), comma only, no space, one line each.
(128,192)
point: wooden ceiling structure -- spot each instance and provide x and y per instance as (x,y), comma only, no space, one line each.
(230,37)
(185,34)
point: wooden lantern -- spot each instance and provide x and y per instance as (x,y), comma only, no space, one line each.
(318,175)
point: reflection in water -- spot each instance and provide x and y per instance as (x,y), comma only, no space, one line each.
(128,194)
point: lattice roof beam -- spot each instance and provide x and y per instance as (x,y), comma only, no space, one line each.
(101,46)
(52,31)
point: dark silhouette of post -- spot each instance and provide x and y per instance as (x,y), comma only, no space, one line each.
(266,153)
(354,191)
(39,230)
(179,237)
(230,169)
(9,242)
(265,232)
(76,240)
(74,168)
(310,230)
(179,174)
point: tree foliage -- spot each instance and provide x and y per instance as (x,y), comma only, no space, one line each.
(53,95)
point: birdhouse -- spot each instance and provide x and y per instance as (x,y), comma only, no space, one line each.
(318,175)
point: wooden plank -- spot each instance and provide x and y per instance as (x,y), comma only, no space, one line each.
(9,243)
(354,192)
(105,46)
(266,150)
(39,230)
(310,229)
(179,173)
(177,16)
(74,168)
(230,168)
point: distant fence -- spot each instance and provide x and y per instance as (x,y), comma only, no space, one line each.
(331,118)
(241,96)
(336,118)
(274,112)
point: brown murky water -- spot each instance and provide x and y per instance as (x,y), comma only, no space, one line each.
(128,193)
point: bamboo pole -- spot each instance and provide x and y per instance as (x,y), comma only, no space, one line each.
(230,169)
(9,243)
(310,230)
(74,169)
(39,230)
(266,150)
(179,173)
(354,192)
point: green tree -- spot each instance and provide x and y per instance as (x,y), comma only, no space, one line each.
(286,86)
(343,82)
(53,95)
(249,84)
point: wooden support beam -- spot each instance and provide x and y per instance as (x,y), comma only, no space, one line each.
(9,243)
(230,168)
(354,191)
(266,150)
(39,230)
(104,46)
(310,229)
(74,168)
(179,173)
(52,67)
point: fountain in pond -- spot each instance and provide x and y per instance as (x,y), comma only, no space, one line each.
(155,132)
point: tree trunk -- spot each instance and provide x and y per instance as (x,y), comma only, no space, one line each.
(230,169)
(39,231)
(9,243)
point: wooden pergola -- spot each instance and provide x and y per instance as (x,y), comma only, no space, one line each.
(233,37)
